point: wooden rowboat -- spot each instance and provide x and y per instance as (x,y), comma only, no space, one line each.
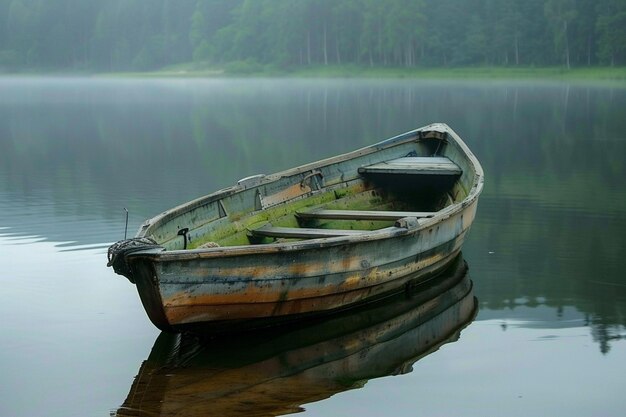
(311,240)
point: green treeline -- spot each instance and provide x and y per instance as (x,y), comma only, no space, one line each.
(120,35)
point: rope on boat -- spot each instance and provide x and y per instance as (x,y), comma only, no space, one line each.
(118,251)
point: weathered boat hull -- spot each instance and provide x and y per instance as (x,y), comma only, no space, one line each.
(217,294)
(244,286)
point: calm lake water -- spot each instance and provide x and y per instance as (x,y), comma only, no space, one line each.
(545,254)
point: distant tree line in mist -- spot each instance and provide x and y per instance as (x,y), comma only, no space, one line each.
(118,35)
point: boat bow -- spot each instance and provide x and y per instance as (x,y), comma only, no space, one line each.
(119,251)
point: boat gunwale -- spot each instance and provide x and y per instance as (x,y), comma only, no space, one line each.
(241,250)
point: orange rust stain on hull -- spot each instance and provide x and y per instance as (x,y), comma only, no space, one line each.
(279,290)
(255,303)
(200,313)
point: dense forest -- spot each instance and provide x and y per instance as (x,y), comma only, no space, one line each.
(120,35)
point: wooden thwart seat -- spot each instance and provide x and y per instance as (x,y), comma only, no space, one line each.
(302,233)
(361,214)
(415,165)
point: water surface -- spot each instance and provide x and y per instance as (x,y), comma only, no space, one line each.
(545,253)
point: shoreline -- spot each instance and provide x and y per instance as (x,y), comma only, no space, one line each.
(350,71)
(614,74)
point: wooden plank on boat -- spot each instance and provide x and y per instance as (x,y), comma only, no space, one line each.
(414,165)
(362,214)
(302,233)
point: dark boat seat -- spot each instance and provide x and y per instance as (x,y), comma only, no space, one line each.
(415,165)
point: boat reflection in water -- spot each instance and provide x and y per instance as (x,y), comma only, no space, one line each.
(274,373)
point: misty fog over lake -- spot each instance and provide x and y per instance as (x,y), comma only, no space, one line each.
(544,254)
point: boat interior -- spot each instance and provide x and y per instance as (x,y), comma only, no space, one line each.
(388,192)
(343,196)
